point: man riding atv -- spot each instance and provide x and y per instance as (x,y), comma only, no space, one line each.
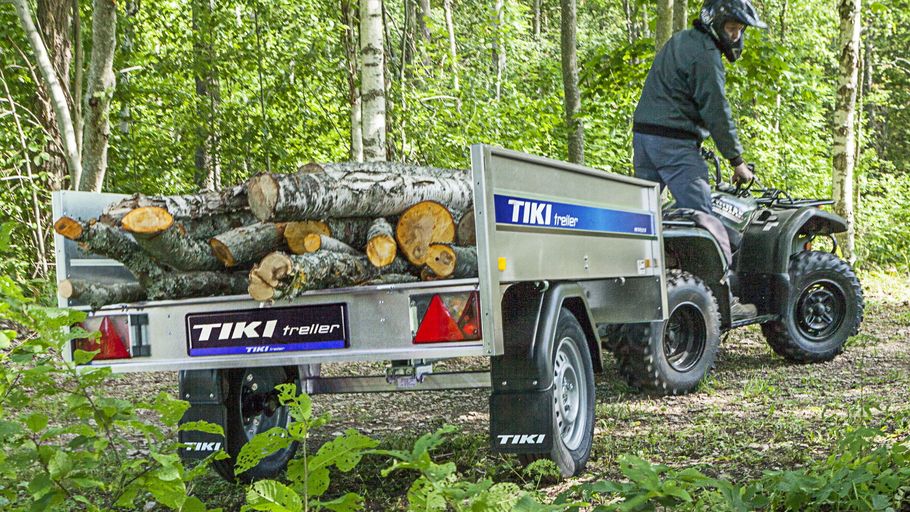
(682,102)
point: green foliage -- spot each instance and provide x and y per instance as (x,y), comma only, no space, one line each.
(63,442)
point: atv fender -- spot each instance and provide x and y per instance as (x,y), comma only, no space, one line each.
(521,402)
(697,252)
(768,244)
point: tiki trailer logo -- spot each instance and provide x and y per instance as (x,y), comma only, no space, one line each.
(267,330)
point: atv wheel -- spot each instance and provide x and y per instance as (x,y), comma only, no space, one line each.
(253,408)
(825,308)
(573,399)
(677,361)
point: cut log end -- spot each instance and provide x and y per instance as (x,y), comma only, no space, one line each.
(466,230)
(259,289)
(263,196)
(272,268)
(441,260)
(312,242)
(68,228)
(147,220)
(381,251)
(423,224)
(222,252)
(295,233)
(66,289)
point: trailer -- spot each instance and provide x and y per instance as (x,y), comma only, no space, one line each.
(563,252)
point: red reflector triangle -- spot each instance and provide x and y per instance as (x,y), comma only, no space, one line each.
(437,324)
(112,346)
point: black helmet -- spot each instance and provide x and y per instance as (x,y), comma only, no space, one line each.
(715,13)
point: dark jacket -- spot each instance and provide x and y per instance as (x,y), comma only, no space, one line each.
(684,97)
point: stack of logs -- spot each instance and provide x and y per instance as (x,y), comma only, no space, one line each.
(279,235)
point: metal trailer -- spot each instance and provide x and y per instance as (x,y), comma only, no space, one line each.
(561,249)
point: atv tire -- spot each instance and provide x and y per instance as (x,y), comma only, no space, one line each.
(825,307)
(677,361)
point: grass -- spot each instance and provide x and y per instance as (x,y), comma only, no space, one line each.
(756,412)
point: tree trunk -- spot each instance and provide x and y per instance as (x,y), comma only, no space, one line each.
(208,96)
(680,15)
(453,50)
(499,51)
(421,225)
(78,79)
(423,14)
(572,97)
(55,22)
(535,24)
(844,119)
(286,197)
(372,81)
(55,89)
(248,243)
(100,90)
(664,26)
(631,36)
(227,202)
(97,295)
(349,41)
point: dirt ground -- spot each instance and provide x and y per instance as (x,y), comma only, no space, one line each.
(755,412)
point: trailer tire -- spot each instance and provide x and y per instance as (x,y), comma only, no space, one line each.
(252,408)
(825,307)
(677,361)
(572,429)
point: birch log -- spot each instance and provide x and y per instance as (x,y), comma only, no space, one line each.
(97,295)
(295,233)
(230,201)
(381,247)
(282,276)
(104,240)
(423,224)
(452,261)
(172,247)
(465,233)
(248,243)
(337,193)
(315,242)
(181,285)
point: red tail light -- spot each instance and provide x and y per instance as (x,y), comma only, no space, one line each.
(110,343)
(438,323)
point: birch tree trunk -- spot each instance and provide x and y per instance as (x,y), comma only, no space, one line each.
(423,14)
(664,25)
(844,119)
(572,97)
(76,85)
(536,21)
(680,15)
(100,90)
(55,22)
(453,49)
(208,97)
(372,81)
(55,88)
(349,41)
(499,52)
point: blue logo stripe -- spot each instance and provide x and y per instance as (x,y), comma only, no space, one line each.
(519,211)
(252,349)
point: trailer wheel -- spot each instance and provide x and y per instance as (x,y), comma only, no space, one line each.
(677,361)
(573,399)
(825,308)
(252,408)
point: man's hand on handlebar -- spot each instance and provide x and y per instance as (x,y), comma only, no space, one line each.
(742,174)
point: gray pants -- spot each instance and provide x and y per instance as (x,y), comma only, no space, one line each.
(674,163)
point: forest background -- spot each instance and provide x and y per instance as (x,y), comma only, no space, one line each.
(204,94)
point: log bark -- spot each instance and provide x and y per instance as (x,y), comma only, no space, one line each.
(392,279)
(423,224)
(229,202)
(282,276)
(248,243)
(452,261)
(174,248)
(315,242)
(97,295)
(381,247)
(104,240)
(466,233)
(182,285)
(204,228)
(299,196)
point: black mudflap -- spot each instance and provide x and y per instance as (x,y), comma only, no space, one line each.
(202,389)
(522,422)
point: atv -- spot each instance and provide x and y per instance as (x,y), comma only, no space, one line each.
(808,302)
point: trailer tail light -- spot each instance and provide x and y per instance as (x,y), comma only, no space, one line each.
(445,317)
(120,337)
